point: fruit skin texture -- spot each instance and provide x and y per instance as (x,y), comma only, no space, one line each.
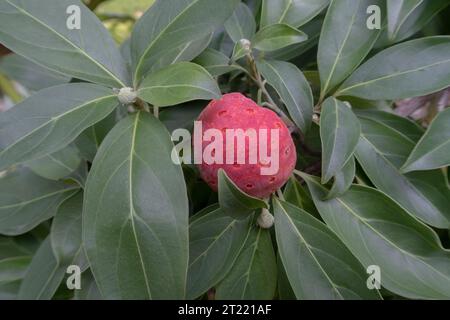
(235,111)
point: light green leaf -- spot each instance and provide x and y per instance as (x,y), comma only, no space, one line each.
(382,149)
(410,69)
(339,133)
(241,24)
(57,165)
(343,179)
(87,53)
(345,40)
(234,201)
(27,200)
(135,219)
(169,25)
(254,273)
(178,83)
(433,150)
(293,89)
(39,125)
(317,263)
(292,12)
(215,62)
(215,240)
(277,36)
(378,232)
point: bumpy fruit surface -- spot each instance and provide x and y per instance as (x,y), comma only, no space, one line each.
(235,111)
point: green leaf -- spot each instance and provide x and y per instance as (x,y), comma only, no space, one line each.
(398,11)
(215,240)
(89,289)
(254,273)
(234,201)
(299,196)
(140,195)
(433,150)
(12,271)
(339,133)
(88,53)
(381,151)
(61,249)
(39,125)
(169,25)
(277,36)
(29,74)
(379,232)
(178,83)
(57,165)
(27,200)
(292,12)
(317,263)
(241,24)
(343,179)
(345,40)
(292,87)
(215,62)
(285,291)
(182,116)
(410,69)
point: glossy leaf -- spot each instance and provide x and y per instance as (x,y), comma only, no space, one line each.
(168,25)
(292,12)
(135,219)
(27,200)
(339,133)
(234,201)
(277,36)
(343,179)
(87,53)
(381,151)
(380,232)
(317,263)
(254,273)
(433,150)
(241,24)
(292,87)
(178,83)
(57,165)
(410,69)
(39,125)
(345,40)
(215,62)
(215,240)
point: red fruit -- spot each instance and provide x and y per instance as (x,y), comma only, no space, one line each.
(235,111)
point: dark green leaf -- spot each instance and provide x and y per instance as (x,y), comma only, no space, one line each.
(178,83)
(241,24)
(12,271)
(285,291)
(343,179)
(215,62)
(433,150)
(234,201)
(398,11)
(254,273)
(169,25)
(293,88)
(380,232)
(410,69)
(345,40)
(381,151)
(89,289)
(27,199)
(277,36)
(39,125)
(135,221)
(88,53)
(215,240)
(317,263)
(291,12)
(339,132)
